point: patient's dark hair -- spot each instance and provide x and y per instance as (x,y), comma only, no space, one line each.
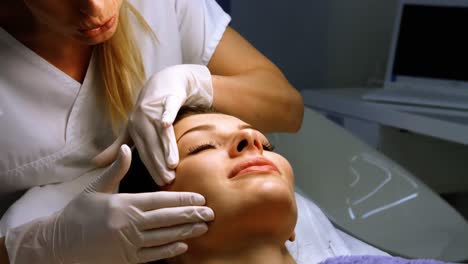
(186,111)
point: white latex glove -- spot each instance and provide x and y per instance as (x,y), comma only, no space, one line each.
(101,227)
(150,124)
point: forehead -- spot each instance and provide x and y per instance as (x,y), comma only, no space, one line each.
(220,121)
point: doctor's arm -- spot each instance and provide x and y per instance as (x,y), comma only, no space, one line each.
(3,252)
(248,85)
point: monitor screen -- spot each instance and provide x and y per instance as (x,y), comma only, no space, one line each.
(432,43)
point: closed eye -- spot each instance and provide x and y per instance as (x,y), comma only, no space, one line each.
(199,148)
(268,147)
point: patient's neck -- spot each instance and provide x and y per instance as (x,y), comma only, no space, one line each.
(251,252)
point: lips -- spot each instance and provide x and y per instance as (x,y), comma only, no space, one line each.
(99,29)
(253,165)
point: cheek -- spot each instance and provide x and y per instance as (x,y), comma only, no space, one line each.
(58,17)
(284,166)
(197,174)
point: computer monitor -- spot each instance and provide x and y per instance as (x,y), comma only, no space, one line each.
(430,44)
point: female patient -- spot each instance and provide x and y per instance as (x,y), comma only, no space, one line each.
(251,190)
(249,187)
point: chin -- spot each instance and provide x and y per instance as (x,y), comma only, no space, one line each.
(270,204)
(271,189)
(266,188)
(96,40)
(272,193)
(266,210)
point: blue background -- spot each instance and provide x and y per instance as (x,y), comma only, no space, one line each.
(225,4)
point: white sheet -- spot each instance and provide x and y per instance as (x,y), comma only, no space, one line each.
(317,239)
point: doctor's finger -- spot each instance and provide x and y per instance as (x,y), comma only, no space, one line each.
(166,139)
(169,141)
(109,155)
(150,148)
(172,104)
(166,217)
(161,252)
(157,200)
(162,171)
(110,179)
(145,156)
(163,236)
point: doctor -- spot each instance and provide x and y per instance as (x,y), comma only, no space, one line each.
(81,78)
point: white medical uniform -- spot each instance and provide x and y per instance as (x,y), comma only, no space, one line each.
(51,125)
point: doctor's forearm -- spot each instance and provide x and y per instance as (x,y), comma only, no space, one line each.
(3,252)
(261,97)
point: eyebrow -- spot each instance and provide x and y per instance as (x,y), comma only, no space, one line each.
(207,127)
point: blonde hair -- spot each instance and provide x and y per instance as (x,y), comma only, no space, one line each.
(121,65)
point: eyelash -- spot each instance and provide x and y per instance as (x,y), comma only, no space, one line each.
(268,146)
(211,145)
(198,148)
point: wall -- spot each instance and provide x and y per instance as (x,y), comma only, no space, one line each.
(319,44)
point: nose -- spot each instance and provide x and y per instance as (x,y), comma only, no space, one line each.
(92,8)
(246,141)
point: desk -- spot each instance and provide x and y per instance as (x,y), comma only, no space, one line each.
(450,125)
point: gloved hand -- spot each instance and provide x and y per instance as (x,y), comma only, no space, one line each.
(150,124)
(101,227)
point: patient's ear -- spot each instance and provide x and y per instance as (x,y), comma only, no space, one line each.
(293,236)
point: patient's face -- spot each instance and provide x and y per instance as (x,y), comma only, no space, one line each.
(249,187)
